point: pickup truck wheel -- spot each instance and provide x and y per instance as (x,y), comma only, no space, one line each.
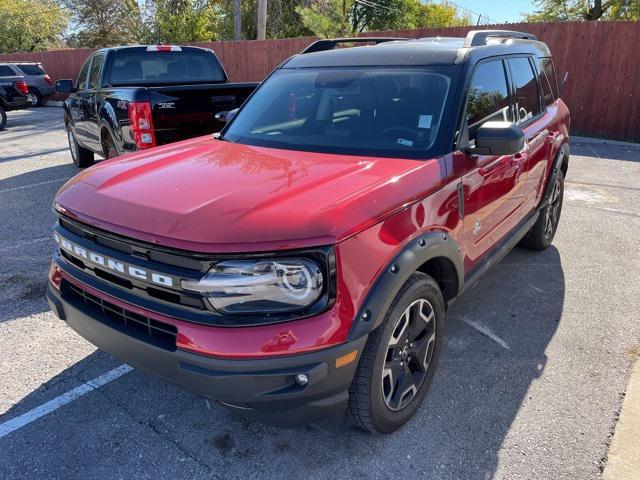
(82,157)
(109,147)
(3,118)
(399,359)
(541,234)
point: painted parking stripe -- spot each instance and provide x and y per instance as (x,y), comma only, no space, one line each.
(13,189)
(26,418)
(486,332)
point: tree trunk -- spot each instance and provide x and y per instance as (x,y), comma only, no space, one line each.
(262,19)
(237,20)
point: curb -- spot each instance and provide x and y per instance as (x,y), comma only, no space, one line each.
(602,141)
(623,459)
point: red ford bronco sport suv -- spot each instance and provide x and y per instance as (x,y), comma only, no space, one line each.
(299,265)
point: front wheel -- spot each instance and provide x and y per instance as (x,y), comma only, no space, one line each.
(399,359)
(82,157)
(541,234)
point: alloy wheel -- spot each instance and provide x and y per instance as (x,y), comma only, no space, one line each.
(409,354)
(553,211)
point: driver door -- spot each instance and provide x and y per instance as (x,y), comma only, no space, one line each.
(492,186)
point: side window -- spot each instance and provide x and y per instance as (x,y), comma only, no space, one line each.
(488,97)
(94,75)
(6,71)
(526,97)
(82,78)
(548,80)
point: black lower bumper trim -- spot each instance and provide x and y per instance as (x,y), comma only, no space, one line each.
(262,388)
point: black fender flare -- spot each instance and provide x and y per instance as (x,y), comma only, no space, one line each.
(413,255)
(563,152)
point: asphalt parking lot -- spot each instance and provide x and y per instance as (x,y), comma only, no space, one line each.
(533,372)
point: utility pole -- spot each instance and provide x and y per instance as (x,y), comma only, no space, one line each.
(237,20)
(262,19)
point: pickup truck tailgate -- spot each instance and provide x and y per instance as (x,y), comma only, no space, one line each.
(185,111)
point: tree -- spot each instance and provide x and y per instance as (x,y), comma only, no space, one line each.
(31,25)
(182,21)
(330,18)
(566,10)
(102,23)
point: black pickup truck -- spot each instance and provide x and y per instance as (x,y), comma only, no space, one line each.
(133,98)
(13,96)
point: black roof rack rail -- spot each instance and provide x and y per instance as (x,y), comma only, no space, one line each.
(331,43)
(479,37)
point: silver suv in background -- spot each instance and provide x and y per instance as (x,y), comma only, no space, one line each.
(39,83)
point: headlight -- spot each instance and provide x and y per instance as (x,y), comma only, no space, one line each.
(260,286)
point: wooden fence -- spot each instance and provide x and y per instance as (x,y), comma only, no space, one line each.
(602,59)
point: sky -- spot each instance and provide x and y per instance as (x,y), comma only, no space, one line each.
(499,11)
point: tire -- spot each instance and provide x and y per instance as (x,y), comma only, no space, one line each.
(82,157)
(378,399)
(544,230)
(3,118)
(109,147)
(34,99)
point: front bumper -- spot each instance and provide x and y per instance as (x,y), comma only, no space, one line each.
(261,388)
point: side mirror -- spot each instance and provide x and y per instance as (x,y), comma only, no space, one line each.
(64,86)
(497,138)
(225,116)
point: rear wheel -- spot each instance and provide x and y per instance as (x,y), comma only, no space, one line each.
(82,157)
(3,118)
(109,147)
(34,99)
(399,359)
(541,234)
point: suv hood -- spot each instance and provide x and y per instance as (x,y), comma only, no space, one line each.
(207,195)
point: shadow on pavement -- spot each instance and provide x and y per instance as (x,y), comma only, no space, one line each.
(25,246)
(458,433)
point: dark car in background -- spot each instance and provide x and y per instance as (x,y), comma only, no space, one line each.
(133,98)
(39,83)
(13,96)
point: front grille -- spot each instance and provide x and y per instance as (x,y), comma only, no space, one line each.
(143,328)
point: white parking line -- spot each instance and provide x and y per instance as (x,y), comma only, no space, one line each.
(486,332)
(61,400)
(48,238)
(13,189)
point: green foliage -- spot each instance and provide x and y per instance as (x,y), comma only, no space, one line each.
(31,25)
(99,23)
(182,21)
(330,18)
(566,10)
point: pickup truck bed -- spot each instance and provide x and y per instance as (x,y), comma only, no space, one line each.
(132,98)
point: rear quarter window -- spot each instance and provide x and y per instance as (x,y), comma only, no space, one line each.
(548,80)
(149,68)
(31,69)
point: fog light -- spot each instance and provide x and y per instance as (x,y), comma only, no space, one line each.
(301,379)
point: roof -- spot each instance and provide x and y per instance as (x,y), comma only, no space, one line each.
(421,51)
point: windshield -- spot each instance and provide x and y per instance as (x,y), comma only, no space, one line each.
(155,68)
(390,111)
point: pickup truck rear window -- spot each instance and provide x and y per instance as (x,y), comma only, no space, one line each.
(391,112)
(158,68)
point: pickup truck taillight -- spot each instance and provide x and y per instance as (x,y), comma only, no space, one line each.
(47,79)
(142,124)
(22,87)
